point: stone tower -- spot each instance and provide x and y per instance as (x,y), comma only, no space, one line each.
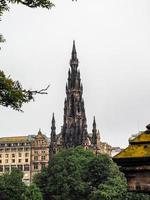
(74,130)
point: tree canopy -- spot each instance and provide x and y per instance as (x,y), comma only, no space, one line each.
(12,187)
(79,174)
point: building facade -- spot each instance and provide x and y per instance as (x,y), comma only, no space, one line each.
(15,152)
(27,153)
(39,153)
(74,130)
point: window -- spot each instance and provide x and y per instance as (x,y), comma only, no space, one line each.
(0,155)
(43,165)
(6,155)
(26,168)
(43,157)
(13,166)
(13,160)
(13,149)
(13,155)
(7,150)
(36,158)
(19,160)
(6,160)
(26,154)
(6,168)
(0,161)
(26,149)
(35,152)
(35,166)
(20,149)
(20,154)
(20,167)
(1,168)
(14,144)
(43,152)
(26,160)
(1,150)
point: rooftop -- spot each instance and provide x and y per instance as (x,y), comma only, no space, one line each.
(139,147)
(14,139)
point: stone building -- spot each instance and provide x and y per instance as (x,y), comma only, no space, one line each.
(135,162)
(28,153)
(15,152)
(39,153)
(74,130)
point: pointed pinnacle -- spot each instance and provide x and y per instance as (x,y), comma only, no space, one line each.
(74,47)
(74,52)
(39,132)
(94,121)
(53,117)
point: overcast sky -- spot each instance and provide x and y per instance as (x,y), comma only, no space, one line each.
(113,45)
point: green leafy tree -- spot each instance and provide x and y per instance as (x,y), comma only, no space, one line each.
(64,177)
(32,193)
(136,196)
(13,95)
(11,186)
(79,174)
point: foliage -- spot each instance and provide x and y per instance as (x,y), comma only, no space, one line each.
(79,174)
(30,3)
(32,193)
(136,196)
(12,94)
(11,186)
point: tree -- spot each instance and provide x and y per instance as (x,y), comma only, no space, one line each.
(79,174)
(32,193)
(136,196)
(11,92)
(13,95)
(11,185)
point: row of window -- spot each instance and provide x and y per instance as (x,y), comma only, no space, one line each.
(14,155)
(36,158)
(7,168)
(37,152)
(36,166)
(14,161)
(14,149)
(40,142)
(13,144)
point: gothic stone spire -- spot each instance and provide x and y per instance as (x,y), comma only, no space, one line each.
(94,131)
(53,144)
(74,60)
(73,130)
